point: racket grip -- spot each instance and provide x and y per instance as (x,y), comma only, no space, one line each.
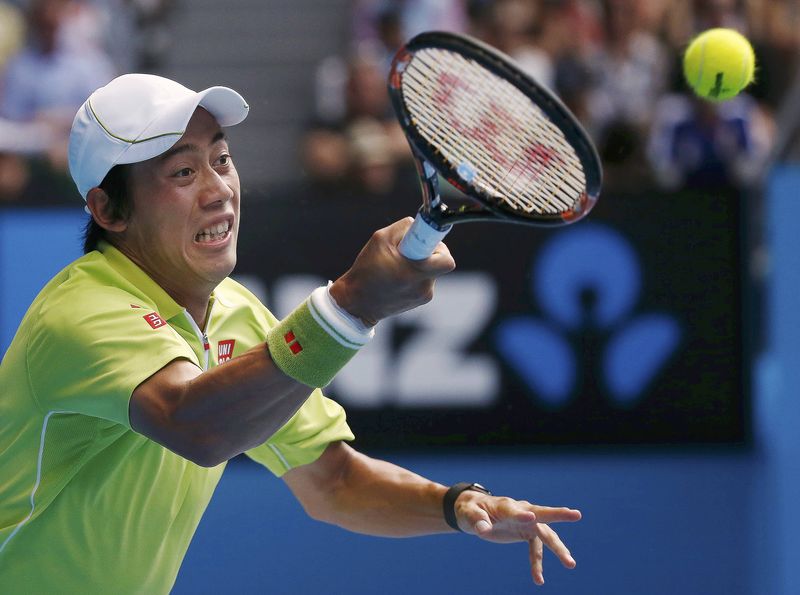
(421,238)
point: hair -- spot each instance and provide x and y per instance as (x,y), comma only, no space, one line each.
(120,205)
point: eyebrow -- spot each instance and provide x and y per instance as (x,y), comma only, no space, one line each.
(190,147)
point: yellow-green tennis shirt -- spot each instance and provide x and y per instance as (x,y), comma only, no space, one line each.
(86,504)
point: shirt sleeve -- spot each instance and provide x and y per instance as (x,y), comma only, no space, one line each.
(88,356)
(305,436)
(317,423)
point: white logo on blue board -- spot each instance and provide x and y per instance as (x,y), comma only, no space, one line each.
(588,279)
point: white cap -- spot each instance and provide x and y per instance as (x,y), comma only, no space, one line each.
(137,117)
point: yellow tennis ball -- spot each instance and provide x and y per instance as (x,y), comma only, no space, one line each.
(718,64)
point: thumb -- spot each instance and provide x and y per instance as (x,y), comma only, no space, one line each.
(398,229)
(483,526)
(479,521)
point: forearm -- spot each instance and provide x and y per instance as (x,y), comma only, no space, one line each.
(346,488)
(212,416)
(249,393)
(372,497)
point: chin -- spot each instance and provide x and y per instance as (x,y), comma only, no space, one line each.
(217,270)
(225,268)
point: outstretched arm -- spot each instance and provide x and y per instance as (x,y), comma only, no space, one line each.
(209,417)
(365,495)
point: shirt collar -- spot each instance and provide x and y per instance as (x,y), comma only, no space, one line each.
(165,305)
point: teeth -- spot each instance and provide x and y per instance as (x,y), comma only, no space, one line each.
(214,232)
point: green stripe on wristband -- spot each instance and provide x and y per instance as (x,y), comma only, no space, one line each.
(303,350)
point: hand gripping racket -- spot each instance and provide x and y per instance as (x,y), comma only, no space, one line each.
(472,116)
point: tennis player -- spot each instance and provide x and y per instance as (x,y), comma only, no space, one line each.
(141,368)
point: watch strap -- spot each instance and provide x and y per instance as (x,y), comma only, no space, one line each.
(449,502)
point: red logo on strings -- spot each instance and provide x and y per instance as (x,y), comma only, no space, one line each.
(225,350)
(154,320)
(494,122)
(293,343)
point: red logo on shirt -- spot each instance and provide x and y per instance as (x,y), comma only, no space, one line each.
(154,320)
(225,350)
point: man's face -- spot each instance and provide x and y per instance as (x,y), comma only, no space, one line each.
(185,218)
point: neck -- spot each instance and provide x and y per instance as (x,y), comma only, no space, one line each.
(194,297)
(198,313)
(195,302)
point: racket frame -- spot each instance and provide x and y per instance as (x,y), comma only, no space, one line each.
(485,207)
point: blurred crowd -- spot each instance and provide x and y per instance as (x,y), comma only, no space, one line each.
(53,54)
(615,63)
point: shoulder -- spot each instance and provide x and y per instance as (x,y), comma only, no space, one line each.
(234,290)
(233,295)
(86,293)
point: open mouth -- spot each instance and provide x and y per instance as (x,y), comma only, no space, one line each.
(215,233)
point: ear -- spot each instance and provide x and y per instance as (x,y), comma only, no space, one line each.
(99,205)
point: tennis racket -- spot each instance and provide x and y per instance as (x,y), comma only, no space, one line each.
(508,144)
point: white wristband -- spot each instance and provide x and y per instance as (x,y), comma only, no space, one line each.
(341,325)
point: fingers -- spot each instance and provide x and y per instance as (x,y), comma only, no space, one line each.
(548,514)
(441,261)
(381,282)
(553,542)
(536,554)
(492,523)
(395,232)
(508,517)
(438,263)
(504,520)
(478,520)
(398,229)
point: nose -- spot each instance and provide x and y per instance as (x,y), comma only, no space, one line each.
(216,190)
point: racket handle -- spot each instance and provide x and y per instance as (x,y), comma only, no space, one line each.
(421,238)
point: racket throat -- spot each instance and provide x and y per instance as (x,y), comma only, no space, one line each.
(433,210)
(429,216)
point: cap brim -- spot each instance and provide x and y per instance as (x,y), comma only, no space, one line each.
(226,105)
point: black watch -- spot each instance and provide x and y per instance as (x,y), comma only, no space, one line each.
(449,502)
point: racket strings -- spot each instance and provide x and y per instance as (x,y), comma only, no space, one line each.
(524,172)
(496,143)
(492,134)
